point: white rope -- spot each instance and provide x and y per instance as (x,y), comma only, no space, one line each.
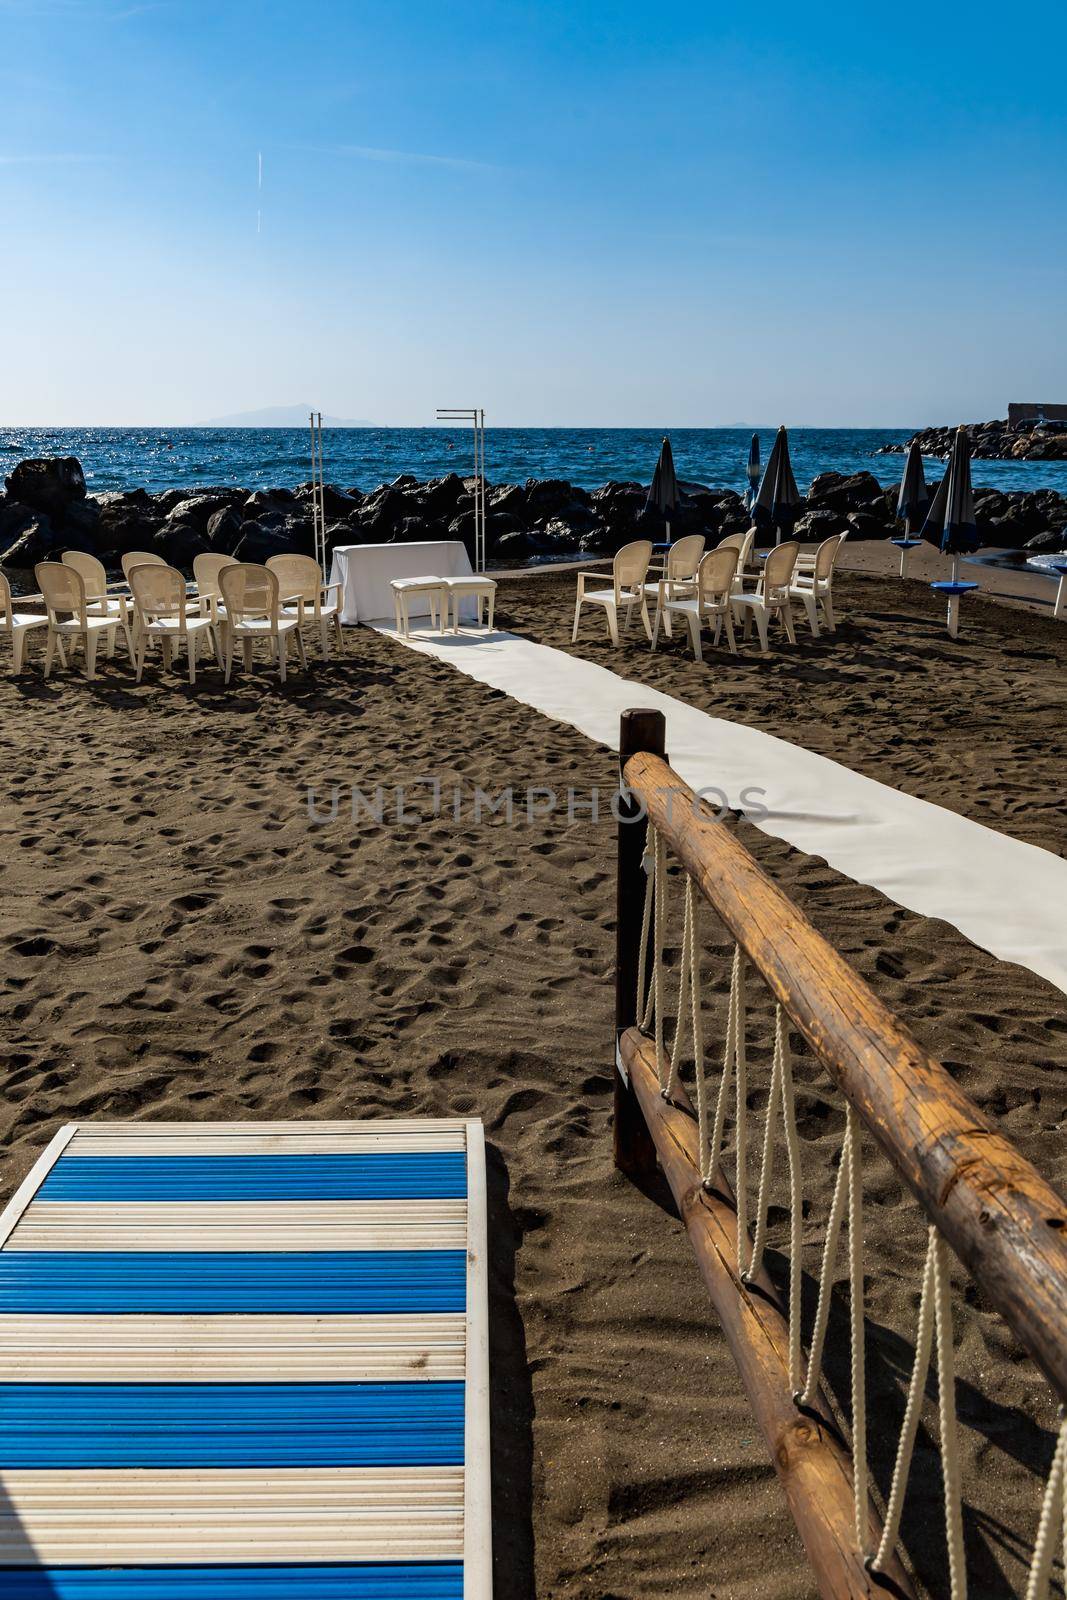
(935,1319)
(735,1046)
(924,1342)
(829,1257)
(689,995)
(782,1099)
(1052,1525)
(650,1006)
(946,1399)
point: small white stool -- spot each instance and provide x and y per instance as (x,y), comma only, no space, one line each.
(457,589)
(437,591)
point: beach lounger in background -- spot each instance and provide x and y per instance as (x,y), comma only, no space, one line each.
(248,1360)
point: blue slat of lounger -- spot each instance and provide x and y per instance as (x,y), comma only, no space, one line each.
(226,1282)
(436,1175)
(401,1580)
(76,1426)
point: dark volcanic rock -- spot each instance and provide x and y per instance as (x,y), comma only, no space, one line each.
(48,484)
(179,543)
(1047,544)
(15,518)
(863,526)
(224,529)
(991,441)
(38,541)
(817,525)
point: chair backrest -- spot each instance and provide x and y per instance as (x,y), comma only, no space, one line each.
(826,555)
(206,571)
(298,576)
(742,543)
(249,590)
(683,557)
(158,591)
(630,567)
(716,573)
(140,558)
(779,566)
(6,608)
(63,588)
(91,569)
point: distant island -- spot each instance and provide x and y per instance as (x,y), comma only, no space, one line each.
(280,417)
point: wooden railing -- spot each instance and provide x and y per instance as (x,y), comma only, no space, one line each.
(1003,1220)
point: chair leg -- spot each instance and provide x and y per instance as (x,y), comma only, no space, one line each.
(325,639)
(338,633)
(694,637)
(655,629)
(812,613)
(761,628)
(729,623)
(828,611)
(190,645)
(142,651)
(90,652)
(490,607)
(168,652)
(18,644)
(49,651)
(110,650)
(246,650)
(300,650)
(577,614)
(396,611)
(215,645)
(229,654)
(613,625)
(644,617)
(787,618)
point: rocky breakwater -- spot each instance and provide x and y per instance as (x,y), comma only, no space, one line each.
(46,510)
(991,441)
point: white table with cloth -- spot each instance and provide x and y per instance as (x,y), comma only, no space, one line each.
(365,572)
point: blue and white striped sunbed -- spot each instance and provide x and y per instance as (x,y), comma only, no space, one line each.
(247,1361)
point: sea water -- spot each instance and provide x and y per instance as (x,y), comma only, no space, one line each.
(173,458)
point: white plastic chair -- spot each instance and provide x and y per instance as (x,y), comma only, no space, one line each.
(678,578)
(206,569)
(71,614)
(100,602)
(742,543)
(712,600)
(814,587)
(628,573)
(162,613)
(300,580)
(772,598)
(140,558)
(15,625)
(252,603)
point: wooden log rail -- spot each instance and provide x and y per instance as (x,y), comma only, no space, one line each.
(1002,1219)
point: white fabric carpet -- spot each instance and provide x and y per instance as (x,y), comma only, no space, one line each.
(1004,895)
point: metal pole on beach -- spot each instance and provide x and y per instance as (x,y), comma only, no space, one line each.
(475,415)
(314,490)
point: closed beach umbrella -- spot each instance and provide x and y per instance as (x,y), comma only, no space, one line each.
(752,470)
(913,501)
(950,522)
(778,503)
(663,493)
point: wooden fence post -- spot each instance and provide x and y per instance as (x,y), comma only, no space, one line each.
(635,1152)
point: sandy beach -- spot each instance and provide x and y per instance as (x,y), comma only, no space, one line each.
(180,939)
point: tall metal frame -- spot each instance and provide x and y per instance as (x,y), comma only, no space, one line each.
(318,496)
(475,415)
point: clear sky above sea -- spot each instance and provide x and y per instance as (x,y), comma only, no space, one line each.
(570,213)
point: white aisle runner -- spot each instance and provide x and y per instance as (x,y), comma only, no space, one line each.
(1006,896)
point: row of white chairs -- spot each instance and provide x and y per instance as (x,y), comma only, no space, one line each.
(696,586)
(233,602)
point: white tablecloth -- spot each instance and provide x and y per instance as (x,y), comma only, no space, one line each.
(366,570)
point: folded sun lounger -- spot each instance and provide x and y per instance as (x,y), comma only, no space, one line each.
(246,1361)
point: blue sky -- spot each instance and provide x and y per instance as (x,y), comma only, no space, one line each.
(614,213)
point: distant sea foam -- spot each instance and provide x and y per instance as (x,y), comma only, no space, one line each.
(178,458)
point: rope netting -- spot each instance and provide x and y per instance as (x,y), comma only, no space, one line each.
(729,1101)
